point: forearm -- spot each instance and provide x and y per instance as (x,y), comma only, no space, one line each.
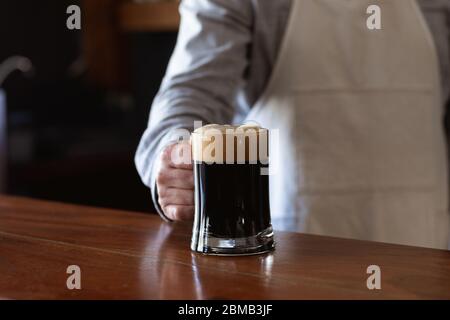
(202,79)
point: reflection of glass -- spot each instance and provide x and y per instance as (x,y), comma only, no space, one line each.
(232,213)
(199,294)
(266,265)
(169,270)
(166,269)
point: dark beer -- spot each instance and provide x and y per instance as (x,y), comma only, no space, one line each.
(232,212)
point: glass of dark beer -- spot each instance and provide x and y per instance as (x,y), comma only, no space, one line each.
(232,214)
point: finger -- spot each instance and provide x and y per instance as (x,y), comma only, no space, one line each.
(178,155)
(179,212)
(172,196)
(175,178)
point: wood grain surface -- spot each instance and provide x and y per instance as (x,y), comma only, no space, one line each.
(127,255)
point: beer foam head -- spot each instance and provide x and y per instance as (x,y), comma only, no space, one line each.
(213,143)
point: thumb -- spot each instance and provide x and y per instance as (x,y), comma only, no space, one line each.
(180,155)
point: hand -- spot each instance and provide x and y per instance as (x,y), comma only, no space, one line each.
(175,182)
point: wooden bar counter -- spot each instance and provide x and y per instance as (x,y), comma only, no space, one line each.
(127,255)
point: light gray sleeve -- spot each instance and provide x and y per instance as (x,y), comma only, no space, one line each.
(203,77)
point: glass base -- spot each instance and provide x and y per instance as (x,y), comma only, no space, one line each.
(257,244)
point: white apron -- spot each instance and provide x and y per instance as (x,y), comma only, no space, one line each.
(362,152)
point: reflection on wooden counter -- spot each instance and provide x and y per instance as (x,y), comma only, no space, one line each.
(126,255)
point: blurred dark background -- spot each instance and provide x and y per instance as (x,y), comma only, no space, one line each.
(74,122)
